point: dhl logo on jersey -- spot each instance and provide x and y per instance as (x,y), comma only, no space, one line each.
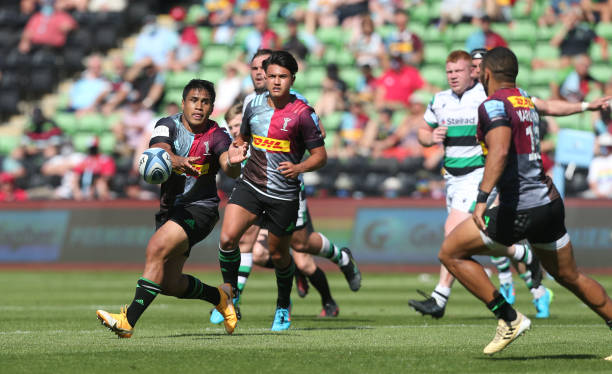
(521,102)
(271,144)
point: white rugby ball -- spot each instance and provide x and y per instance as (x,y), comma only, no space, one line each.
(155,165)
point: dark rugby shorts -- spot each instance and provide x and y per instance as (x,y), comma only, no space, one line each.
(542,225)
(279,216)
(197,221)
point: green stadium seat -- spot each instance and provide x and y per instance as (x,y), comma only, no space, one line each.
(334,36)
(93,123)
(211,73)
(541,92)
(435,54)
(518,11)
(314,76)
(81,141)
(601,72)
(544,34)
(331,122)
(523,52)
(173,96)
(8,143)
(543,77)
(107,143)
(312,95)
(330,138)
(66,121)
(604,30)
(418,28)
(522,31)
(241,34)
(595,53)
(385,30)
(545,51)
(461,32)
(179,79)
(204,36)
(339,56)
(435,75)
(501,28)
(194,15)
(523,79)
(580,121)
(350,75)
(433,35)
(594,93)
(216,55)
(419,14)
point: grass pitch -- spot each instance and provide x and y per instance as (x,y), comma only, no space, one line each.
(48,324)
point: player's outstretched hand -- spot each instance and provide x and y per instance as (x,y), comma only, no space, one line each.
(478,216)
(237,153)
(184,165)
(289,170)
(600,103)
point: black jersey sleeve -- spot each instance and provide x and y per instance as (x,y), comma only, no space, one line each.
(245,127)
(164,132)
(222,141)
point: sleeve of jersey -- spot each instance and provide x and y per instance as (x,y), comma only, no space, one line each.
(310,130)
(430,117)
(492,114)
(222,142)
(163,132)
(245,127)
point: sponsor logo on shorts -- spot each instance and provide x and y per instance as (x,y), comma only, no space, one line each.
(520,102)
(190,222)
(271,144)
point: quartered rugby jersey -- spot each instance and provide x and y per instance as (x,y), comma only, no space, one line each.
(462,152)
(277,135)
(523,183)
(181,189)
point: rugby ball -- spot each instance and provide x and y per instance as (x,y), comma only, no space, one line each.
(155,165)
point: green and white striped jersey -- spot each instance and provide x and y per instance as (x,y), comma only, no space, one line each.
(462,152)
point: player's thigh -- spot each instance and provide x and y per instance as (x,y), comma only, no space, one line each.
(236,220)
(463,242)
(455,217)
(305,262)
(560,263)
(299,239)
(168,241)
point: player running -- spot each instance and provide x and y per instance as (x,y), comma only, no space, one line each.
(451,119)
(529,205)
(198,148)
(279,127)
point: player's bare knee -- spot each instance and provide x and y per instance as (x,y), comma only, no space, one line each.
(299,246)
(227,242)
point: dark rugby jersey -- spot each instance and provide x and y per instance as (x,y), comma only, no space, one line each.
(523,183)
(277,135)
(209,145)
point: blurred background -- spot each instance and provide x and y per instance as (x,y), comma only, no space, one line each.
(82,83)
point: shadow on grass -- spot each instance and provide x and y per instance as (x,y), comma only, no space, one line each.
(330,319)
(333,328)
(543,357)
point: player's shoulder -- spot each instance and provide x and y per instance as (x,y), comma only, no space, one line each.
(440,98)
(218,130)
(259,100)
(300,106)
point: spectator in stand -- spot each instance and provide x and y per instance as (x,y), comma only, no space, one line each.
(576,36)
(383,11)
(396,84)
(107,5)
(403,41)
(575,82)
(14,164)
(367,46)
(603,123)
(40,133)
(153,47)
(72,5)
(320,13)
(88,88)
(9,192)
(28,7)
(92,176)
(600,171)
(458,11)
(350,12)
(377,134)
(263,37)
(228,88)
(188,52)
(300,44)
(499,10)
(218,15)
(366,84)
(245,11)
(111,98)
(350,131)
(58,168)
(600,10)
(555,9)
(334,89)
(485,37)
(48,27)
(135,118)
(150,86)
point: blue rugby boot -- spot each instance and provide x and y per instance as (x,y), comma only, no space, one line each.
(282,320)
(542,304)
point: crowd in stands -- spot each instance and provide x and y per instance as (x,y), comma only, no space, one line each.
(369,68)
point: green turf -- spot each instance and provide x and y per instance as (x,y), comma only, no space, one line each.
(48,324)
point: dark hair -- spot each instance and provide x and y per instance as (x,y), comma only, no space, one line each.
(200,84)
(282,58)
(502,62)
(260,52)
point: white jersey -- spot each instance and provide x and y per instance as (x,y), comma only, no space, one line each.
(462,152)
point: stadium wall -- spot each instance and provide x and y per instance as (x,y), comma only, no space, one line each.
(379,231)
